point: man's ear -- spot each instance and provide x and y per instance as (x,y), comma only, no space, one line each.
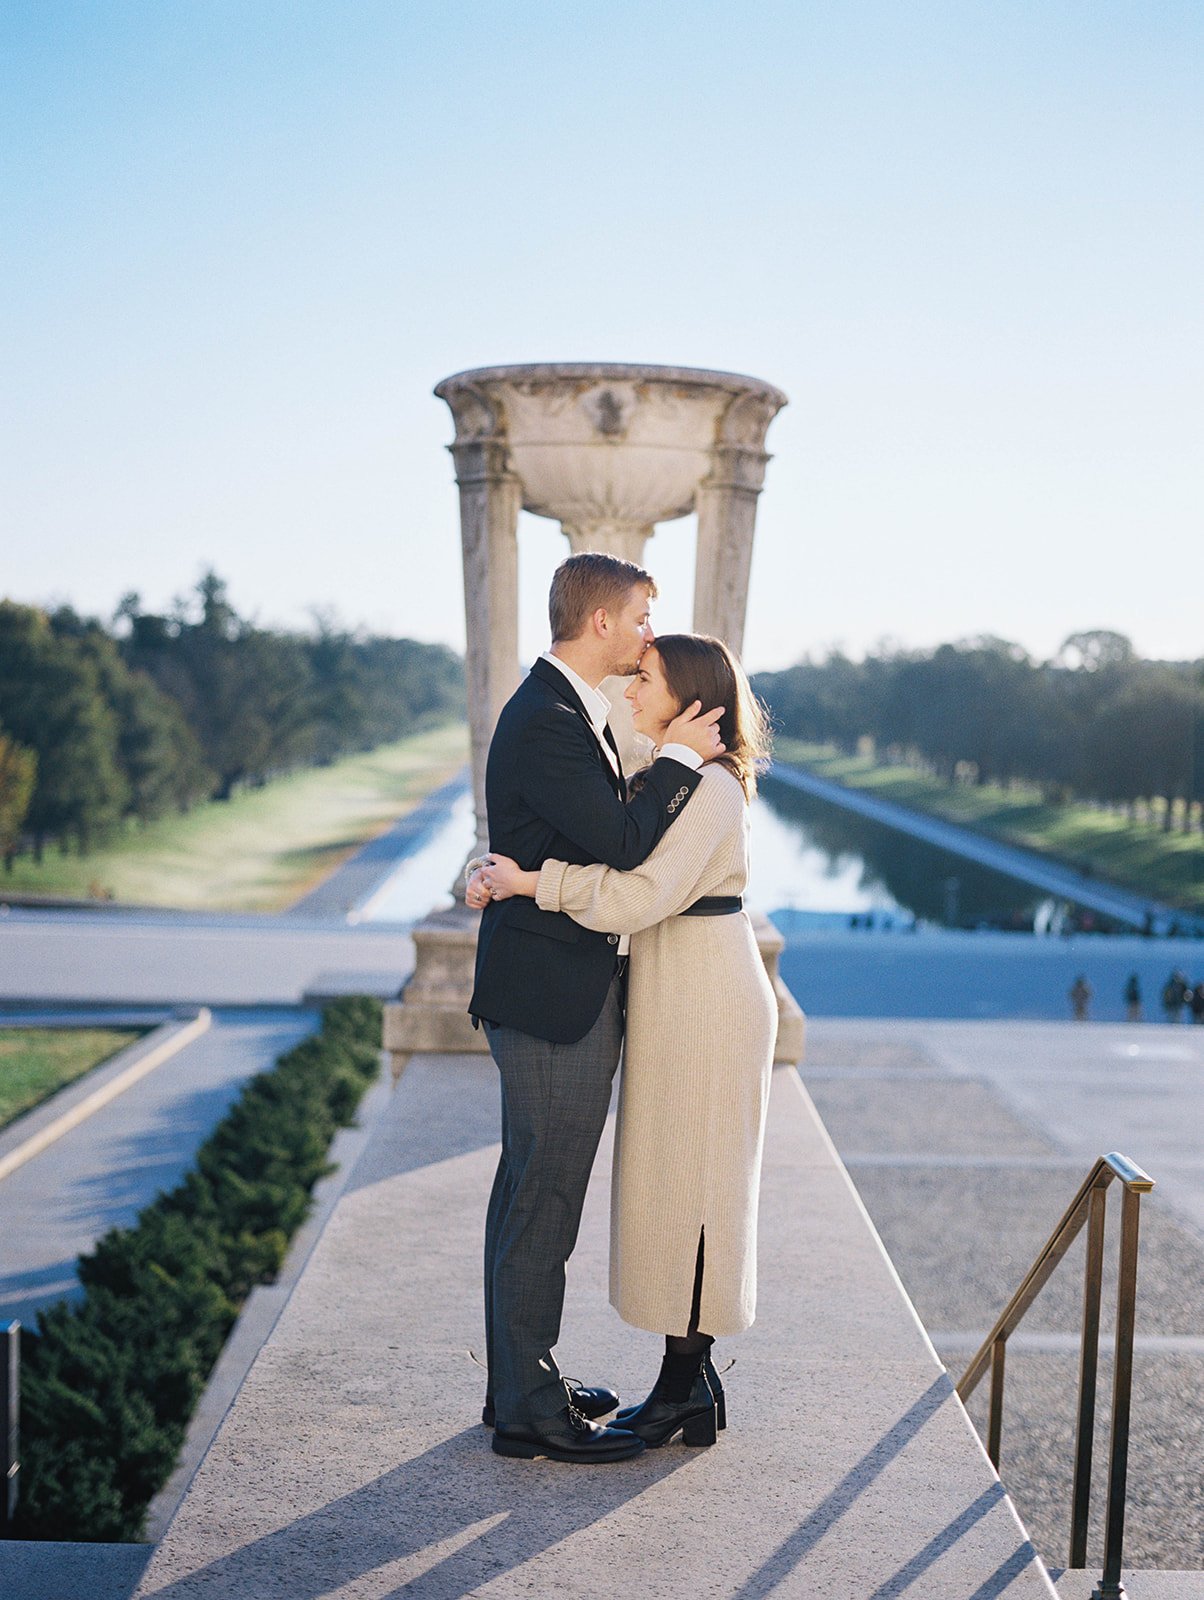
(601,622)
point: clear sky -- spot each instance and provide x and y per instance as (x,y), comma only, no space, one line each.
(244,239)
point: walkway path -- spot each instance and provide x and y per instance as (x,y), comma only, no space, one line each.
(173,958)
(1064,882)
(101,1174)
(352,1463)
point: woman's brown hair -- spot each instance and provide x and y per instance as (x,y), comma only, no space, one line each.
(697,667)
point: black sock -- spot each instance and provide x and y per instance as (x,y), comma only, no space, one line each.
(682,1362)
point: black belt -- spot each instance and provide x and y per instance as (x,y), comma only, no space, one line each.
(715,905)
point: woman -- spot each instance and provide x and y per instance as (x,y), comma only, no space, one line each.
(698,1051)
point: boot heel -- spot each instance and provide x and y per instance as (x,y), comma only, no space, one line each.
(700,1429)
(720,1411)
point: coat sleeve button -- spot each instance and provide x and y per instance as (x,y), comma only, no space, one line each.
(612,938)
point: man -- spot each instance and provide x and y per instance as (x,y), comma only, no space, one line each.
(550,993)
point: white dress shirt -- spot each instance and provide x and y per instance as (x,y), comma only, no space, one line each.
(597,709)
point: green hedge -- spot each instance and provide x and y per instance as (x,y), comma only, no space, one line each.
(109,1383)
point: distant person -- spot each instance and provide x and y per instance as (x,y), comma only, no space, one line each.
(1133,998)
(1080,993)
(1174,996)
(1195,1001)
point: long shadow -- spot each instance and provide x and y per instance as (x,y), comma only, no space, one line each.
(855,1482)
(446,1523)
(24,1294)
(937,1546)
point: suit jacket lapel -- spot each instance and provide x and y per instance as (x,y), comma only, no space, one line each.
(557,680)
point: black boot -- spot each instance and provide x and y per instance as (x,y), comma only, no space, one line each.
(660,1419)
(714,1383)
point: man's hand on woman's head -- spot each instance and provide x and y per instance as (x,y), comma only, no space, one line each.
(697,729)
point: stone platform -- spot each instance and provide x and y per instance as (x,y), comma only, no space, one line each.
(352,1463)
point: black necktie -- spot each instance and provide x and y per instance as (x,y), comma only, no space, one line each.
(610,739)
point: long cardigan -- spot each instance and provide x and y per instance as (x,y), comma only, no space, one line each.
(697,1058)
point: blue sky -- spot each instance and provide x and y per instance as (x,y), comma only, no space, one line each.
(246,239)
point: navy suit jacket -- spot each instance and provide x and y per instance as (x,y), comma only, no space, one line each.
(551,794)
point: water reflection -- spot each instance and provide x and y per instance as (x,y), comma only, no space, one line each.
(818,864)
(422,881)
(898,877)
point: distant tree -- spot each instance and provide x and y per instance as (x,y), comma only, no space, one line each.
(51,700)
(1095,650)
(18,770)
(157,751)
(1143,742)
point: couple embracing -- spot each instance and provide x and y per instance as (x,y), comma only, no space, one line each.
(612,921)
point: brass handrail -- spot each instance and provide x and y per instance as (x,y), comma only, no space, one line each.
(1086,1207)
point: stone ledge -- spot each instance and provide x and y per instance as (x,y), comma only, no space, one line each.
(352,1462)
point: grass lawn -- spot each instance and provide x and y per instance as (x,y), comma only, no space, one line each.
(34,1062)
(264,848)
(1168,866)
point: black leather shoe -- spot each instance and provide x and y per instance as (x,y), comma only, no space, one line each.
(713,1383)
(659,1420)
(567,1437)
(592,1403)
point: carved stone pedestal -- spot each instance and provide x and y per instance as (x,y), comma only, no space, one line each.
(431,1015)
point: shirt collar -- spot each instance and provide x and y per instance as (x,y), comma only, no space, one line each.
(597,706)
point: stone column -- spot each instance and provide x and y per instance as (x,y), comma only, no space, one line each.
(490,500)
(727,514)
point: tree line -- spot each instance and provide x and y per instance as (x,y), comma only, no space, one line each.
(1094,723)
(100,724)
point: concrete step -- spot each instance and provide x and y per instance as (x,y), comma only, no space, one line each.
(1148,1585)
(352,1463)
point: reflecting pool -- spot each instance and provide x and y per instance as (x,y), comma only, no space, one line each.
(813,865)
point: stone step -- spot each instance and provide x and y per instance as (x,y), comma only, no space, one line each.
(352,1463)
(1148,1585)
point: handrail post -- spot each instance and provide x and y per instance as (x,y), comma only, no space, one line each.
(1110,1586)
(1093,1276)
(995,1419)
(10,1412)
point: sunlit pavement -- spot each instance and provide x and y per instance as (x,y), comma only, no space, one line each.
(173,958)
(967,1141)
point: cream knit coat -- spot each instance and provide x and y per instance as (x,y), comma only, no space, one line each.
(697,1058)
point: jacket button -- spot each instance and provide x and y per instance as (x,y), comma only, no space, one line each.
(612,938)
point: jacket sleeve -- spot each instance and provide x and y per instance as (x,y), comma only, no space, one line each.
(563,782)
(687,863)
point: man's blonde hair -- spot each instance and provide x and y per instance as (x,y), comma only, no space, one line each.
(588,582)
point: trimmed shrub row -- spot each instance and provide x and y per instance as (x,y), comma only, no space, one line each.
(109,1383)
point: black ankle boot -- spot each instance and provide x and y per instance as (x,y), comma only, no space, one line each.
(658,1420)
(714,1383)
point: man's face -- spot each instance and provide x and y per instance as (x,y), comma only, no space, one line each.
(630,633)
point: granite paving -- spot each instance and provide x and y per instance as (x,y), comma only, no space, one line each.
(966,1143)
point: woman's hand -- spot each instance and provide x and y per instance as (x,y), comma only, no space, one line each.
(504,878)
(476,891)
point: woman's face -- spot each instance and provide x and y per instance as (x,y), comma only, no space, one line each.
(653,706)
